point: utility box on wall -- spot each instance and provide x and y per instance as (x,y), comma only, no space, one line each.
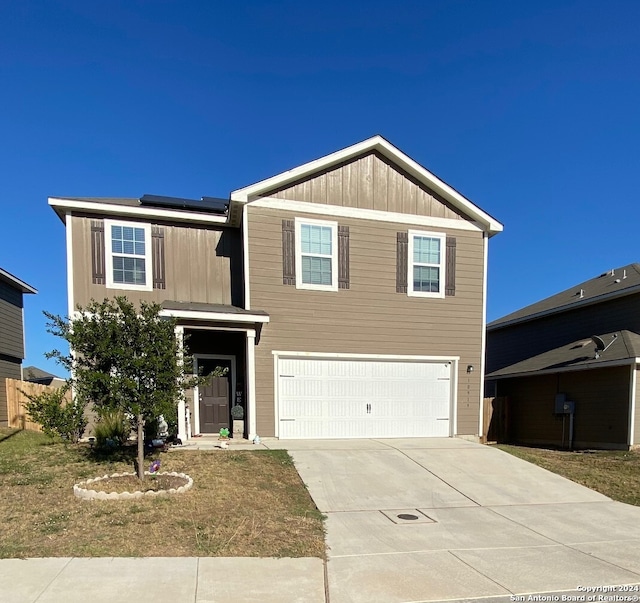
(564,406)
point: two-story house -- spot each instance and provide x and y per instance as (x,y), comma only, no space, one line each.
(12,291)
(346,296)
(568,365)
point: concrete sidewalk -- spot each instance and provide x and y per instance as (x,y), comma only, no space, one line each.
(162,580)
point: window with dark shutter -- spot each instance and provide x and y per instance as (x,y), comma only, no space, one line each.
(402,250)
(343,257)
(98,271)
(288,252)
(450,270)
(157,254)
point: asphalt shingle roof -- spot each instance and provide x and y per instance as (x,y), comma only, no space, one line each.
(614,283)
(579,354)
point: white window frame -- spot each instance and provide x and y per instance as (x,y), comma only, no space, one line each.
(334,254)
(148,286)
(410,264)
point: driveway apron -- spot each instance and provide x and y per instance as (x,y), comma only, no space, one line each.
(443,518)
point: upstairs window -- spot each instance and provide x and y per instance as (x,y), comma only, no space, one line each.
(128,255)
(426,264)
(316,255)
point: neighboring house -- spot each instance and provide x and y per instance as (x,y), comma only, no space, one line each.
(12,290)
(35,375)
(581,346)
(346,296)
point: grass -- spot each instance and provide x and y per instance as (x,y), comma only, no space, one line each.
(243,503)
(615,474)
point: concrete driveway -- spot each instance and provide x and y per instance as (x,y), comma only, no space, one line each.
(435,519)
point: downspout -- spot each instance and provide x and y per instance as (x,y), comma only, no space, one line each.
(483,339)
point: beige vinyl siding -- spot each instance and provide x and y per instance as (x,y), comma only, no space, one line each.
(509,345)
(198,266)
(369,317)
(369,182)
(602,407)
(8,370)
(11,328)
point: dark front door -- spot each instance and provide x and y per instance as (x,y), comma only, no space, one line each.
(214,397)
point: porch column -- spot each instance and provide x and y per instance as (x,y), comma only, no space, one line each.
(250,386)
(182,411)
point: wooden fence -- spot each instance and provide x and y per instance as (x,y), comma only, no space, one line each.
(496,420)
(16,400)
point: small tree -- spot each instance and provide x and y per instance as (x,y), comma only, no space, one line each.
(125,358)
(57,415)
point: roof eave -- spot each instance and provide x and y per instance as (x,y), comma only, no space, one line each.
(16,283)
(566,369)
(62,206)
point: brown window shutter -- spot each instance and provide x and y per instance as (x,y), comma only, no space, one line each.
(450,267)
(288,252)
(98,271)
(343,257)
(402,251)
(157,257)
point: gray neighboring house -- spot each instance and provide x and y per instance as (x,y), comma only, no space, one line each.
(33,374)
(580,347)
(12,290)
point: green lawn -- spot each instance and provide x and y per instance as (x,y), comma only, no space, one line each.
(615,474)
(243,503)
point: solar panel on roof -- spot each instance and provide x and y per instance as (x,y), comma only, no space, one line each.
(212,205)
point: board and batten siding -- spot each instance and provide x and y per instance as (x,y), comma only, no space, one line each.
(511,344)
(9,369)
(11,327)
(198,266)
(369,317)
(369,182)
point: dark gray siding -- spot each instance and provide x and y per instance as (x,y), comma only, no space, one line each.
(9,368)
(509,345)
(11,333)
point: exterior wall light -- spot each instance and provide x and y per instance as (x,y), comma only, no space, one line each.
(469,368)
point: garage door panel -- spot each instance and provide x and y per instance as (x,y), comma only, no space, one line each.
(329,398)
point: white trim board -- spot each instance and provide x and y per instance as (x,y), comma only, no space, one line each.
(403,357)
(216,316)
(375,215)
(129,210)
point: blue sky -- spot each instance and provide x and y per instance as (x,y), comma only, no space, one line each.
(530,109)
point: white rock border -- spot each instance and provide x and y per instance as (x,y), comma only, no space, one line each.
(81,491)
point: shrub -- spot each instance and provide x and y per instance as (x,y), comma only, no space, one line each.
(56,415)
(112,429)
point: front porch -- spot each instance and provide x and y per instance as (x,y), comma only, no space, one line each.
(217,336)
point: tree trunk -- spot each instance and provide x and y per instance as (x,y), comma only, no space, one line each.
(141,447)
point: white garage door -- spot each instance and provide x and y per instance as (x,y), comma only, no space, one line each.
(363,398)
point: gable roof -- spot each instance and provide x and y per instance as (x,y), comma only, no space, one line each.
(374,144)
(15,282)
(624,348)
(614,283)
